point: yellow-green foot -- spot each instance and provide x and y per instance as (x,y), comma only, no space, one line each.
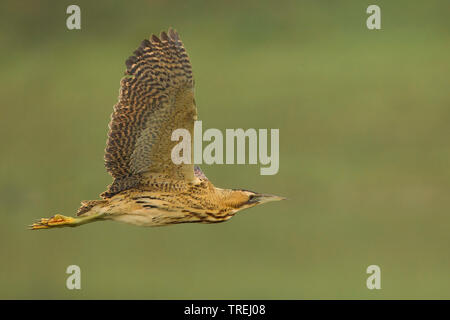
(57,220)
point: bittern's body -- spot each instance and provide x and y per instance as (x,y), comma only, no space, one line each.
(156,97)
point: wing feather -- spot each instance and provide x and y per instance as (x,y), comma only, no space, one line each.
(156,97)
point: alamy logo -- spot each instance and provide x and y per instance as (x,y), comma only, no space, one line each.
(374,280)
(373,22)
(214,151)
(74,20)
(74,280)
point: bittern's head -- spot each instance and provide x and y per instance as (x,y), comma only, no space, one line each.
(243,199)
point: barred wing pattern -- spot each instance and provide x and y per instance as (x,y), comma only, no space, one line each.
(156,97)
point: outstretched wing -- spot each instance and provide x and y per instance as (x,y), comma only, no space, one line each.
(156,97)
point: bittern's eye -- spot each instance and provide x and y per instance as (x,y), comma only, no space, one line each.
(251,198)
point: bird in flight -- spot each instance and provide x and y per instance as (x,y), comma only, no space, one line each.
(148,189)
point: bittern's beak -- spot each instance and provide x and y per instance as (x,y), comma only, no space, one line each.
(263,198)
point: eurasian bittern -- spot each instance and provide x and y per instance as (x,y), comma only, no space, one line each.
(156,97)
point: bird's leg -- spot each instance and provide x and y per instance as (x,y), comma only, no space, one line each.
(58,221)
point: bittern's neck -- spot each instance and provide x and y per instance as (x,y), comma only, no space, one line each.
(232,198)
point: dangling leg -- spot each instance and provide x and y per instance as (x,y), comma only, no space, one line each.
(59,221)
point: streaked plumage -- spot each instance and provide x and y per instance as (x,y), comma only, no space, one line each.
(156,97)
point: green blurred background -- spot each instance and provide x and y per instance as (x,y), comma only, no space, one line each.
(364,119)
